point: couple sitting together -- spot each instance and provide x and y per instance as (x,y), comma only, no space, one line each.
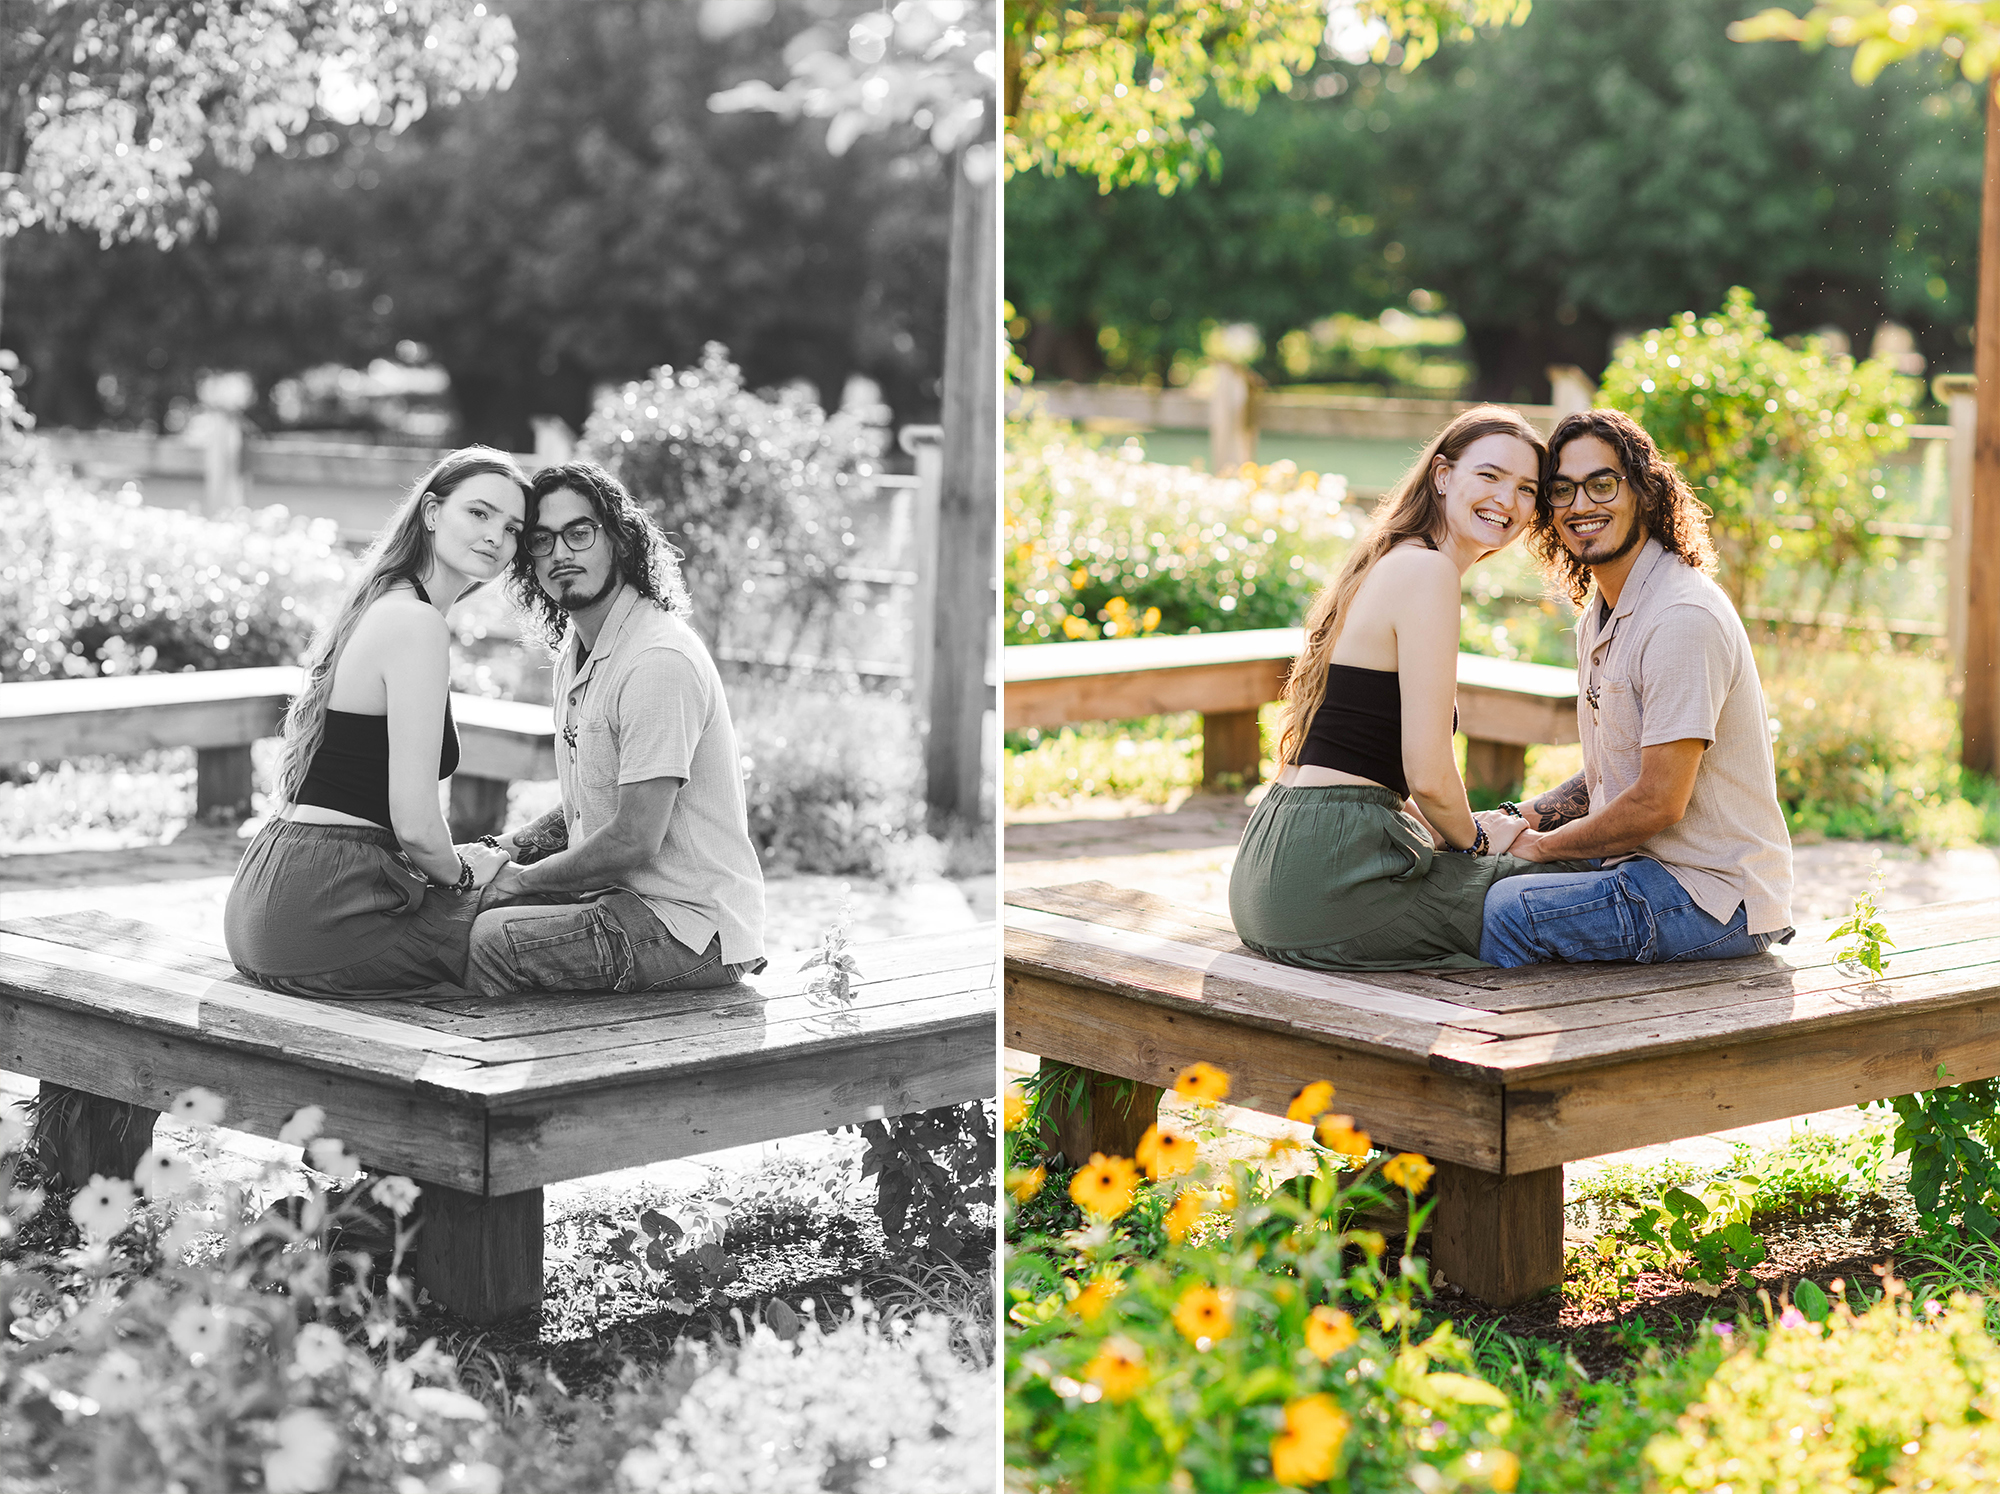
(644,879)
(1669,845)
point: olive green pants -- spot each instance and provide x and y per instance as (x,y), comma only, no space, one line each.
(1343,878)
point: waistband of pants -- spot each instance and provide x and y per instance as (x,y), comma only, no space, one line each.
(1342,793)
(367,835)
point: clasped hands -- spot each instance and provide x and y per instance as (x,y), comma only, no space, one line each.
(490,866)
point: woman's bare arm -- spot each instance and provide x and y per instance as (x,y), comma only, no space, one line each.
(416,679)
(1424,610)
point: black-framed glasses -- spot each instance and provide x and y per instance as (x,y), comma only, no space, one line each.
(1600,487)
(580,535)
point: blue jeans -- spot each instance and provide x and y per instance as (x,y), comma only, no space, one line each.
(1632,911)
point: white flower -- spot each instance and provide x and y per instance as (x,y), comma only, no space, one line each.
(452,1405)
(642,1468)
(102,1206)
(25,1203)
(117,1384)
(302,1125)
(398,1195)
(199,1331)
(13,1129)
(198,1107)
(318,1349)
(467,1478)
(332,1158)
(163,1174)
(307,1457)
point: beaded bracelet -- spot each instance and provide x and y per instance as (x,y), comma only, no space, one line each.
(1514,809)
(464,882)
(1480,844)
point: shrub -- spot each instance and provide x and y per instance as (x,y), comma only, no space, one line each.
(1784,444)
(1107,545)
(1886,1398)
(754,488)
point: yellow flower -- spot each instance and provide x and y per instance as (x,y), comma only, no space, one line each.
(1499,1467)
(1202,1081)
(1306,1450)
(1025,1185)
(1104,1185)
(1118,1370)
(1152,619)
(1281,1145)
(1015,1110)
(1368,1239)
(1202,1312)
(1181,1217)
(1337,1133)
(1309,1102)
(1094,1298)
(1075,627)
(1328,1331)
(1165,1154)
(1408,1170)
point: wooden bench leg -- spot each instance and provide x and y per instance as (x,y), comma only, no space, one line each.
(83,1134)
(481,1258)
(223,779)
(1111,1117)
(1499,1239)
(478,806)
(1230,743)
(1496,767)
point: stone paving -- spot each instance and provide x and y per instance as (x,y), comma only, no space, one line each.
(1183,851)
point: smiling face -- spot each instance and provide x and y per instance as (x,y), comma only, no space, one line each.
(1489,492)
(475,527)
(1597,532)
(574,579)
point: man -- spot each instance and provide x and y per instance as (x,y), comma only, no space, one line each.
(1677,801)
(645,878)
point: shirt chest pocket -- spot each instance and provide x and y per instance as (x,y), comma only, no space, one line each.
(596,752)
(1615,703)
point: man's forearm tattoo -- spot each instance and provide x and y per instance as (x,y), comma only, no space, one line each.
(541,839)
(1561,805)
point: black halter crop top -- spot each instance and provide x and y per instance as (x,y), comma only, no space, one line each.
(350,770)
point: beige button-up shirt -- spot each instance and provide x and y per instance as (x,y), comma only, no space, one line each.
(1673,662)
(647,703)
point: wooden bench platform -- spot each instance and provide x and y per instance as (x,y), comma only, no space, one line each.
(1504,706)
(484,1101)
(220,712)
(1499,1076)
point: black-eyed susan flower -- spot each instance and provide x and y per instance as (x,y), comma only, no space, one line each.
(1202,1081)
(1164,1153)
(1337,1133)
(1181,1217)
(1408,1170)
(1203,1312)
(1498,1467)
(1014,1110)
(1328,1331)
(1103,1186)
(1306,1450)
(1119,1369)
(1025,1185)
(1368,1239)
(1094,1298)
(1309,1103)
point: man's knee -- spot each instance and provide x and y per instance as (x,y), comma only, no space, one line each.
(489,965)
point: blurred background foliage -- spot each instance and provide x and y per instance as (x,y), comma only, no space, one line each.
(1597,170)
(589,222)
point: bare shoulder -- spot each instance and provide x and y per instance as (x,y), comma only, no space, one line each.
(396,624)
(1414,569)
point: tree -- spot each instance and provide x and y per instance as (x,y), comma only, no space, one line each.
(105,105)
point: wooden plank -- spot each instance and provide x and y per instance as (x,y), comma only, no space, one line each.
(224,780)
(1663,1097)
(1111,1116)
(478,806)
(1231,744)
(1024,664)
(1522,721)
(1401,1101)
(380,1118)
(45,737)
(1979,695)
(1315,985)
(504,739)
(645,1118)
(1155,692)
(84,1135)
(480,1258)
(1498,1238)
(1498,768)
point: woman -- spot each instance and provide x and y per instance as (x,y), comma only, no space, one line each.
(1364,854)
(354,888)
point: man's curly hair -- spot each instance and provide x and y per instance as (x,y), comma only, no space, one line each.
(642,555)
(1668,507)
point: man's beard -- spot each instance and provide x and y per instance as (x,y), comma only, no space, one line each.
(568,604)
(1633,536)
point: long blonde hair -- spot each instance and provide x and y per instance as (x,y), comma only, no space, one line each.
(1413,509)
(401,553)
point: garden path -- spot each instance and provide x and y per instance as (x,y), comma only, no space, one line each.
(183,884)
(1183,850)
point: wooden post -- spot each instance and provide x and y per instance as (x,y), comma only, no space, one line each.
(1495,767)
(1232,418)
(1499,1239)
(1979,705)
(1104,1121)
(954,757)
(478,806)
(222,462)
(1958,393)
(223,781)
(925,443)
(83,1134)
(480,1257)
(1231,743)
